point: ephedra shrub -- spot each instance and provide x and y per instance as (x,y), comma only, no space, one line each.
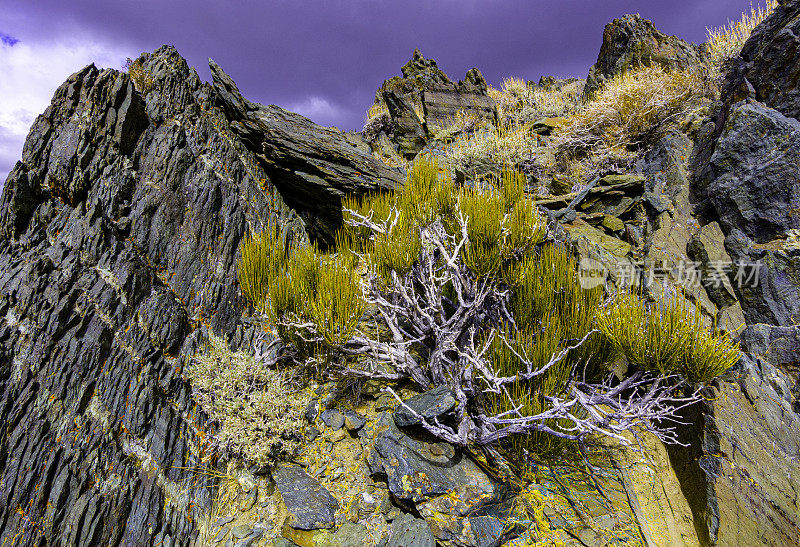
(469,290)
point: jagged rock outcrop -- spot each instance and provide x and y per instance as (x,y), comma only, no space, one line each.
(767,68)
(409,133)
(312,167)
(632,41)
(437,99)
(121,227)
(440,97)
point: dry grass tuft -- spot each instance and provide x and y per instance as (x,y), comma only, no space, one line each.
(142,79)
(726,42)
(508,145)
(630,113)
(258,410)
(520,103)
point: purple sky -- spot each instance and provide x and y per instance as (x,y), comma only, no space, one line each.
(324,59)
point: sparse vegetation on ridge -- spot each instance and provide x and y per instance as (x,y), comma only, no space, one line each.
(142,78)
(726,42)
(473,294)
(627,115)
(604,135)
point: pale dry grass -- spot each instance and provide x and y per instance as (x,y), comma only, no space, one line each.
(507,145)
(631,112)
(726,42)
(376,110)
(520,103)
(258,411)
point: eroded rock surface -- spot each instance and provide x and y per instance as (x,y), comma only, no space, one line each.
(121,227)
(632,41)
(767,69)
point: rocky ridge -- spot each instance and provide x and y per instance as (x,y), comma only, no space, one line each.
(121,230)
(122,224)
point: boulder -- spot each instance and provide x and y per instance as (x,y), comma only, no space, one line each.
(309,506)
(431,404)
(754,173)
(632,41)
(612,223)
(767,68)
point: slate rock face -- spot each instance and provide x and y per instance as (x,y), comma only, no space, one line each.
(313,167)
(120,232)
(632,41)
(423,84)
(767,69)
(755,173)
(740,473)
(409,133)
(753,184)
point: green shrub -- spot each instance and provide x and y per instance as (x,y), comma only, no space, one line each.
(472,293)
(261,255)
(667,336)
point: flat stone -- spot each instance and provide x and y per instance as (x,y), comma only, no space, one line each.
(408,531)
(545,126)
(612,245)
(613,223)
(352,421)
(351,535)
(418,469)
(241,531)
(309,505)
(251,539)
(221,534)
(622,180)
(338,435)
(431,404)
(333,418)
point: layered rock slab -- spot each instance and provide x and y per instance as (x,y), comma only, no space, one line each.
(121,227)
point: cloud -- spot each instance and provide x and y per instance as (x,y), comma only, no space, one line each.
(319,110)
(31,73)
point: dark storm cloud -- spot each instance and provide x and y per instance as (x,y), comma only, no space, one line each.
(327,58)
